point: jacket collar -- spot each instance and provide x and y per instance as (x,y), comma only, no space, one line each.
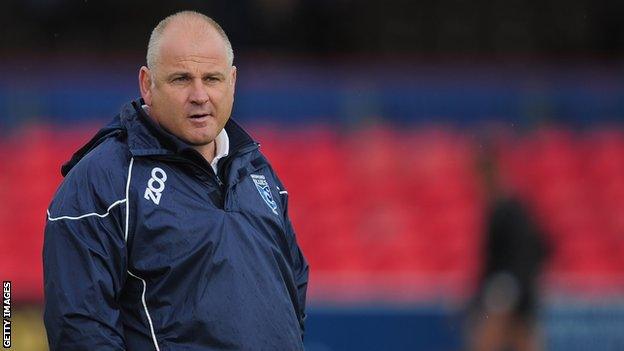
(145,137)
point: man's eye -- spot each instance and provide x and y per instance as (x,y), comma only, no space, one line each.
(212,79)
(180,79)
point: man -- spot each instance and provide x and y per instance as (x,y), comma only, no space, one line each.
(170,230)
(503,314)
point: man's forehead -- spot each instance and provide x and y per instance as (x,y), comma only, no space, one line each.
(199,43)
(194,63)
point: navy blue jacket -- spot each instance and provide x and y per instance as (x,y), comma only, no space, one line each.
(146,248)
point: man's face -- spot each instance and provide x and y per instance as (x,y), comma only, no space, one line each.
(190,89)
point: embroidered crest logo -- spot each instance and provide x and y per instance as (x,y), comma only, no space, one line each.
(265,191)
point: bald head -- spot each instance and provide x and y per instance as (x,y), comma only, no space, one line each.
(190,80)
(193,23)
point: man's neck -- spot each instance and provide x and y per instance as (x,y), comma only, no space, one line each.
(208,150)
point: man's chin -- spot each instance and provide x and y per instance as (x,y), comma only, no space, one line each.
(199,140)
(199,143)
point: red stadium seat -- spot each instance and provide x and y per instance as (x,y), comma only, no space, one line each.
(378,202)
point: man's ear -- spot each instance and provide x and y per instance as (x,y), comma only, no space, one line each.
(233,77)
(145,84)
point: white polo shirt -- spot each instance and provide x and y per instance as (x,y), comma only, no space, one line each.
(222,148)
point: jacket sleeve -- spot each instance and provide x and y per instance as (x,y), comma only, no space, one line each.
(84,258)
(300,265)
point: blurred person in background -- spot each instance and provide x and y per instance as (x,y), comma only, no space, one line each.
(503,314)
(170,230)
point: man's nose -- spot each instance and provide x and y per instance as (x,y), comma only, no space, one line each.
(199,92)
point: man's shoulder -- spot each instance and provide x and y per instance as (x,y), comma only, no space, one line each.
(262,156)
(99,176)
(110,158)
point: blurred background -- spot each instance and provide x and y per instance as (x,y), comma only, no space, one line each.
(449,162)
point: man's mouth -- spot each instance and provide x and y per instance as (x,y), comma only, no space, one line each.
(200,119)
(199,115)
